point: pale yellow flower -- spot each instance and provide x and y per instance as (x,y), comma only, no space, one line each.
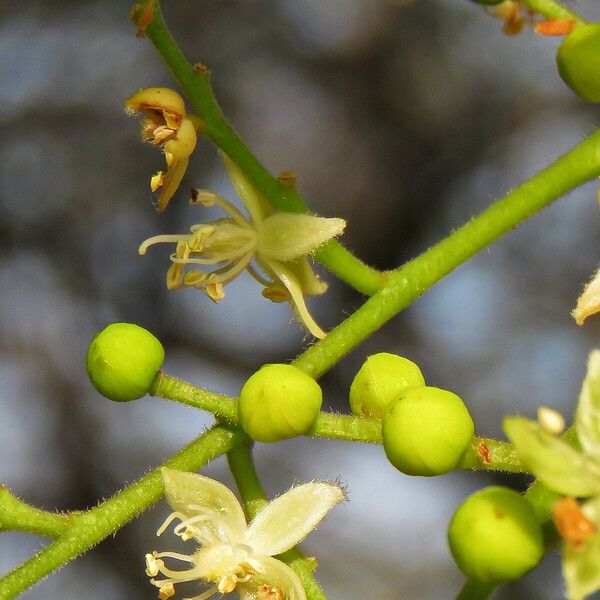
(166,124)
(279,242)
(588,303)
(234,555)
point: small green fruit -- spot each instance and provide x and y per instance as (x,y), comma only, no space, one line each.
(494,536)
(123,360)
(381,380)
(278,402)
(427,431)
(578,61)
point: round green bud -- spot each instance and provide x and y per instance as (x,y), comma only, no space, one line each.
(427,431)
(123,360)
(494,536)
(278,402)
(381,380)
(578,61)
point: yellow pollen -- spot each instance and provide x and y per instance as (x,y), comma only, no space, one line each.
(153,565)
(162,133)
(227,584)
(215,291)
(166,591)
(268,592)
(194,278)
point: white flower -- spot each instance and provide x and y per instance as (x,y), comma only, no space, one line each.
(589,302)
(234,555)
(279,242)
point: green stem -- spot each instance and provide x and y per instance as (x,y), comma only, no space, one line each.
(410,281)
(475,590)
(255,499)
(195,83)
(90,527)
(16,515)
(491,455)
(552,10)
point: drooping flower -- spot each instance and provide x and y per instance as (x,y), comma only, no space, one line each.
(166,124)
(573,472)
(279,242)
(234,555)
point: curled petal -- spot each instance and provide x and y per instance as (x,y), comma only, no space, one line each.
(587,419)
(165,100)
(292,284)
(185,491)
(552,460)
(171,180)
(288,519)
(589,302)
(276,575)
(287,236)
(258,207)
(309,281)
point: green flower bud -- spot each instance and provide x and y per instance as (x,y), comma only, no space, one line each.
(123,360)
(578,61)
(494,536)
(427,431)
(278,402)
(381,380)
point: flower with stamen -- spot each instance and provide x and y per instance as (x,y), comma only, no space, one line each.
(278,242)
(166,124)
(234,555)
(573,472)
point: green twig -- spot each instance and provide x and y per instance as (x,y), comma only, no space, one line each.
(195,84)
(16,515)
(413,279)
(488,454)
(90,527)
(255,499)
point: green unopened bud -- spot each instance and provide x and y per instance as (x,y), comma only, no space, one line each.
(494,536)
(578,61)
(278,402)
(427,431)
(123,360)
(381,380)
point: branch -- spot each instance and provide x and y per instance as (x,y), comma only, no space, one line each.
(90,527)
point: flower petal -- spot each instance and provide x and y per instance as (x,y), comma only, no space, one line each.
(184,490)
(309,281)
(581,567)
(587,418)
(589,302)
(287,236)
(552,460)
(258,207)
(168,101)
(292,284)
(276,574)
(171,180)
(289,518)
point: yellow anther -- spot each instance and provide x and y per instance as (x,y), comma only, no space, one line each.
(156,181)
(166,591)
(227,584)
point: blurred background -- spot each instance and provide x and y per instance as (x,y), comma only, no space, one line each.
(405,119)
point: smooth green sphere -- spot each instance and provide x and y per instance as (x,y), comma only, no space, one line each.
(123,360)
(578,61)
(427,431)
(381,380)
(495,537)
(278,402)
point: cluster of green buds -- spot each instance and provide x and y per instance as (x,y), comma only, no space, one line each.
(272,246)
(425,429)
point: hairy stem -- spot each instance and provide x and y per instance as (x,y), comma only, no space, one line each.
(414,278)
(90,527)
(255,499)
(16,515)
(195,83)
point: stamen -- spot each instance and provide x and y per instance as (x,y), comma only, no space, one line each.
(208,198)
(166,591)
(227,584)
(153,566)
(169,520)
(215,292)
(156,181)
(162,133)
(227,274)
(175,555)
(159,239)
(258,276)
(194,278)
